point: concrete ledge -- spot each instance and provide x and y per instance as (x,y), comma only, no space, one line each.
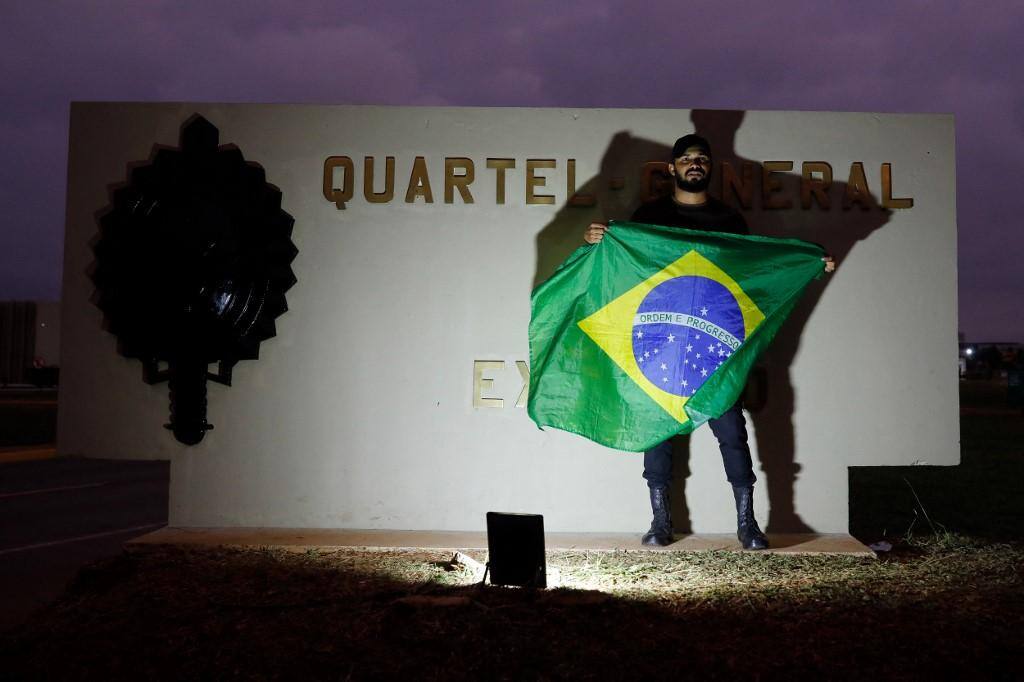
(300,539)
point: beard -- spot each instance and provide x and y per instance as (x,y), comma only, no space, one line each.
(695,184)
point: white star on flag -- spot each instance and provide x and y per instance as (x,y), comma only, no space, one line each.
(704,311)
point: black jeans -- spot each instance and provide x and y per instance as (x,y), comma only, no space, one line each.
(731,431)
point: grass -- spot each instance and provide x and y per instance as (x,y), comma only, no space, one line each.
(943,604)
(942,607)
(980,497)
(27,417)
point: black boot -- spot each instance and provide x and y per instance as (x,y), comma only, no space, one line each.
(661,527)
(747,530)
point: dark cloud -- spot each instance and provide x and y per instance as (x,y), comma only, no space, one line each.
(907,56)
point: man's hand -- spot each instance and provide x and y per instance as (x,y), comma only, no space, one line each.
(830,264)
(595,233)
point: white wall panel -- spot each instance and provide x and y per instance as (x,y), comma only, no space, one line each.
(359,412)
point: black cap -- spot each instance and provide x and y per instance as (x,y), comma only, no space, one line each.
(687,141)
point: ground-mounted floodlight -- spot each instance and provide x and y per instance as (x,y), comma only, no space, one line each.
(515,549)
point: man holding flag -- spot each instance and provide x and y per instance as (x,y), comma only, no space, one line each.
(733,311)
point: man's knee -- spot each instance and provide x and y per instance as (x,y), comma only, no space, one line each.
(731,427)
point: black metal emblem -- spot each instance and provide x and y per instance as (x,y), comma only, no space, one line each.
(191,268)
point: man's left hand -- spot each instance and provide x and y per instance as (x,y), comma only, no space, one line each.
(830,264)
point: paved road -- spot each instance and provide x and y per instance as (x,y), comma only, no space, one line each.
(58,515)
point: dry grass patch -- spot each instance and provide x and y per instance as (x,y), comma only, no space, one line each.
(949,606)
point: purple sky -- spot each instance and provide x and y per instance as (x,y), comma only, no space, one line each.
(892,56)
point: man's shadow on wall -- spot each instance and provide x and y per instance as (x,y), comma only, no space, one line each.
(634,169)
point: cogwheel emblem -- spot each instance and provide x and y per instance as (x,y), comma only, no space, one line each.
(192,264)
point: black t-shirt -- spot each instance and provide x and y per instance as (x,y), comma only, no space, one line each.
(713,216)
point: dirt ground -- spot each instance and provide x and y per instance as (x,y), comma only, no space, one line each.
(946,603)
(943,608)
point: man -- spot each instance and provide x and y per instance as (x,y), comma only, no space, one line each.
(690,206)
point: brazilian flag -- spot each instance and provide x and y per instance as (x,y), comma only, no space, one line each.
(652,331)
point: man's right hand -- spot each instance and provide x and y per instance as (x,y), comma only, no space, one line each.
(595,233)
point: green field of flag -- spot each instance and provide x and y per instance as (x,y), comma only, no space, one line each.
(653,331)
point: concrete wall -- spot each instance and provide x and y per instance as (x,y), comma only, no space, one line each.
(360,413)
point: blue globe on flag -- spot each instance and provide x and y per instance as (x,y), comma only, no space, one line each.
(684,330)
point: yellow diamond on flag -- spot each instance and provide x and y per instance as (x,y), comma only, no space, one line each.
(671,379)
